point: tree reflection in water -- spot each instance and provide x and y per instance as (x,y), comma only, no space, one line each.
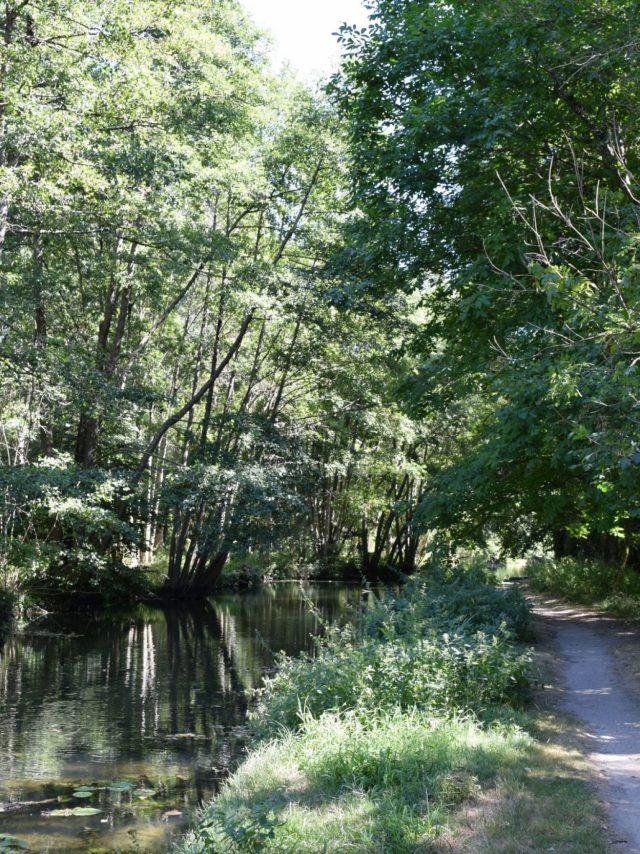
(157,697)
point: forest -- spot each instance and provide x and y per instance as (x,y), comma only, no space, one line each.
(248,322)
(190,368)
(293,376)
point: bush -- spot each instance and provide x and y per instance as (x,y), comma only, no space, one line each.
(455,601)
(583,580)
(66,532)
(245,569)
(378,734)
(417,649)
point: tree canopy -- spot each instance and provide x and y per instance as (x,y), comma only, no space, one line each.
(241,316)
(495,152)
(178,383)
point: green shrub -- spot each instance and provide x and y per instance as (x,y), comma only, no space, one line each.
(242,571)
(455,601)
(82,575)
(417,649)
(583,580)
(70,534)
(623,605)
(249,830)
(443,673)
(378,732)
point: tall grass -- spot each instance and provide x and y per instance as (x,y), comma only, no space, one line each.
(343,784)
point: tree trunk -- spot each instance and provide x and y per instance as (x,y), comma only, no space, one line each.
(195,399)
(40,321)
(107,356)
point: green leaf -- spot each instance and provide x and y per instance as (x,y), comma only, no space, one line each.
(12,843)
(76,811)
(122,786)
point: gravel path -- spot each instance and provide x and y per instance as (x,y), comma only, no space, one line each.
(600,690)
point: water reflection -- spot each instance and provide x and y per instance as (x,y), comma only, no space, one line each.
(156,698)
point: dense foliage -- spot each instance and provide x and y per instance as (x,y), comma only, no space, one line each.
(178,380)
(249,323)
(495,153)
(442,644)
(242,316)
(594,583)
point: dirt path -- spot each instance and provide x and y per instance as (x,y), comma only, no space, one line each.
(600,661)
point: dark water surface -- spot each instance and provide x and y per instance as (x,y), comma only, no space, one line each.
(148,710)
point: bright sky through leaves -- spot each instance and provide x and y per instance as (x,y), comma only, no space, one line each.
(303,30)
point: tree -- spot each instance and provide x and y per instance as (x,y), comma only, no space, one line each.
(495,157)
(172,319)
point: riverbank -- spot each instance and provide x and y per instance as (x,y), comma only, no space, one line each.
(408,783)
(8,603)
(146,586)
(420,734)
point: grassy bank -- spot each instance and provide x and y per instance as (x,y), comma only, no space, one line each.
(594,583)
(408,736)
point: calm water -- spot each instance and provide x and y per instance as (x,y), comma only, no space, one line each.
(147,710)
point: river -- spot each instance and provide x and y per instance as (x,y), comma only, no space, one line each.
(136,718)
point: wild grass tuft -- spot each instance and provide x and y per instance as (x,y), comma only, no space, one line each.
(344,783)
(403,783)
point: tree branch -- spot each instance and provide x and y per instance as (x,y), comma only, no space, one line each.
(196,398)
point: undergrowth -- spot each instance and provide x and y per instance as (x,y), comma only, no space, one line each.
(375,743)
(442,644)
(588,582)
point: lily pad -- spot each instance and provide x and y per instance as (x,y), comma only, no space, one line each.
(122,786)
(76,811)
(144,793)
(83,793)
(12,843)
